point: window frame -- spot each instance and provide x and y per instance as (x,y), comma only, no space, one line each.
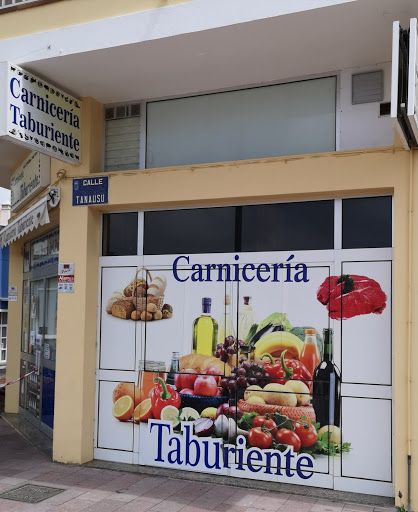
(144,101)
(337,217)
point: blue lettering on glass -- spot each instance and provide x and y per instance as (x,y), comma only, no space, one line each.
(231,273)
(308,465)
(188,433)
(190,450)
(175,268)
(160,427)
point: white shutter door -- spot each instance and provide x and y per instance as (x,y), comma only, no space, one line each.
(122,144)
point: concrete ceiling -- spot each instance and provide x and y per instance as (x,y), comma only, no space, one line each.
(273,49)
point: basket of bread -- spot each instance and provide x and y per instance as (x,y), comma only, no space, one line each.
(141,299)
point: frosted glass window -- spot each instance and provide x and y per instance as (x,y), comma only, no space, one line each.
(287,119)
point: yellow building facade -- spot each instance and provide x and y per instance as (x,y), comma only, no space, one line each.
(344,173)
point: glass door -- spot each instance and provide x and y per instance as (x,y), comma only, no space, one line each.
(49,353)
(36,326)
(39,349)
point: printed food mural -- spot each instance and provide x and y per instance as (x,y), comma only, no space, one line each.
(239,378)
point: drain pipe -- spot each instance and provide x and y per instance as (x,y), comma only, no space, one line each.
(409,371)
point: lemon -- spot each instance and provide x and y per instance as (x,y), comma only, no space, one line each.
(209,412)
(255,400)
(171,413)
(189,414)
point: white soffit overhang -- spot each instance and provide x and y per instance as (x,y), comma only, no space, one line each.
(160,23)
(207,45)
(36,215)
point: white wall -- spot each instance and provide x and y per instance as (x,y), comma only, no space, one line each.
(360,125)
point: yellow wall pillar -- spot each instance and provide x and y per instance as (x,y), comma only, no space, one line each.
(77,312)
(76,336)
(14,327)
(412,358)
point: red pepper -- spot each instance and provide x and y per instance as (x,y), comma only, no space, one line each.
(163,395)
(284,370)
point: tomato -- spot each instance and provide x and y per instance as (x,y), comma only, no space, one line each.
(286,436)
(268,424)
(307,434)
(260,439)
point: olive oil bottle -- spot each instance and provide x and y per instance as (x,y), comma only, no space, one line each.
(205,331)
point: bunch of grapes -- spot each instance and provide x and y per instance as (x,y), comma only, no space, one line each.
(244,375)
(226,349)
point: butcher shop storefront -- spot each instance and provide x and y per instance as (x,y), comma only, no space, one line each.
(252,341)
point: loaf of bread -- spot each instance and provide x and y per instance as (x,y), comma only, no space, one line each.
(200,362)
(123,309)
(116,295)
(136,288)
(157,287)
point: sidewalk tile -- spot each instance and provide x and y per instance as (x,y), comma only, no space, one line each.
(244,497)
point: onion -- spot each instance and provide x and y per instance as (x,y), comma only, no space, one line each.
(233,412)
(203,427)
(222,408)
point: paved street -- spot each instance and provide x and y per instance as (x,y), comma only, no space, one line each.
(103,490)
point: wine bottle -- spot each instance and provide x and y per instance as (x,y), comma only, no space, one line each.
(205,331)
(326,391)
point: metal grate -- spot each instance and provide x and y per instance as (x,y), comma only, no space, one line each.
(30,493)
(15,4)
(122,137)
(123,111)
(367,87)
(11,3)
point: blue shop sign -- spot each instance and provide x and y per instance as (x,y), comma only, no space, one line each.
(88,191)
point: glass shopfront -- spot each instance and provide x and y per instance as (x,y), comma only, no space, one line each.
(271,314)
(39,329)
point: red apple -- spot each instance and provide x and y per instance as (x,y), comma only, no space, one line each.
(187,391)
(185,379)
(205,385)
(212,370)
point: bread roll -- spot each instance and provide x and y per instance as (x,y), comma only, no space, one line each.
(199,362)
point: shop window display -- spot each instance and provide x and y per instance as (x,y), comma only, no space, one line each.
(250,368)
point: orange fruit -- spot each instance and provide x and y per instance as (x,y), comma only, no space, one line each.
(123,408)
(127,389)
(143,411)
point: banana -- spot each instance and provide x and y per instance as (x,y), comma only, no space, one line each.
(275,342)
